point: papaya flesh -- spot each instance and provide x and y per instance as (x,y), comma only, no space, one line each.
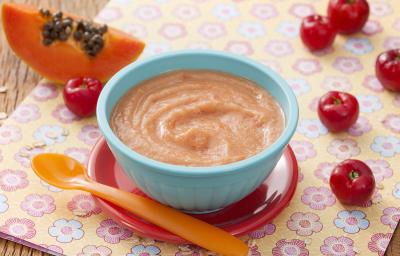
(63,60)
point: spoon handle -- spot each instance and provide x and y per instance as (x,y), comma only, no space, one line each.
(187,227)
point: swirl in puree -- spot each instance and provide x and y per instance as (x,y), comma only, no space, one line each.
(197,118)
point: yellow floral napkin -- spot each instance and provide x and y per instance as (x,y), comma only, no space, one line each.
(315,223)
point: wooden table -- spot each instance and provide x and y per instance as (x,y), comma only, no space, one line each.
(20,80)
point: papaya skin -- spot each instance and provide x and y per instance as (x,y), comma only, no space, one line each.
(62,61)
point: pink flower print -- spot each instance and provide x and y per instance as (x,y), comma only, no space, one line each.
(279,48)
(301,10)
(274,65)
(80,154)
(318,198)
(156,48)
(38,205)
(347,65)
(172,31)
(372,83)
(305,224)
(24,155)
(225,11)
(111,232)
(253,251)
(90,250)
(303,150)
(266,230)
(372,27)
(369,103)
(379,242)
(293,247)
(264,11)
(307,66)
(239,47)
(289,29)
(358,46)
(301,177)
(387,146)
(186,12)
(324,171)
(300,86)
(12,180)
(396,101)
(148,12)
(380,9)
(338,246)
(109,14)
(392,43)
(9,134)
(392,122)
(361,126)
(313,105)
(136,30)
(26,113)
(336,83)
(83,205)
(391,217)
(380,168)
(311,128)
(45,91)
(20,228)
(65,231)
(52,248)
(198,45)
(396,25)
(343,149)
(89,134)
(251,30)
(212,30)
(64,115)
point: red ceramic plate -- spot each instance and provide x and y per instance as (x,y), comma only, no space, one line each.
(252,212)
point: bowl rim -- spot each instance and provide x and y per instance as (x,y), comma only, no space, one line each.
(181,170)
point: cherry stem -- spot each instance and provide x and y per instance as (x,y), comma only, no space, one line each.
(83,86)
(398,56)
(337,101)
(350,1)
(353,175)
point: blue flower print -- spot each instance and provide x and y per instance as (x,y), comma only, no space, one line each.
(358,46)
(351,221)
(3,203)
(369,103)
(140,250)
(66,231)
(311,128)
(396,191)
(387,146)
(299,85)
(289,28)
(50,134)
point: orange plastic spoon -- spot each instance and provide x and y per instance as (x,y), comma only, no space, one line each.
(67,173)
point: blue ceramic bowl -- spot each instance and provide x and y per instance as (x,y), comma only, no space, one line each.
(197,189)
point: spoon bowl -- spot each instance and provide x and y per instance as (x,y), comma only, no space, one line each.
(61,171)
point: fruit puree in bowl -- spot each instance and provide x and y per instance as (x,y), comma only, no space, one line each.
(197,118)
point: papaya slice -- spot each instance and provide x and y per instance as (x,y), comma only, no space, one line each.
(64,59)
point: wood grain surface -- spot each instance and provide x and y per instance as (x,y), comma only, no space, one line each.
(20,80)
